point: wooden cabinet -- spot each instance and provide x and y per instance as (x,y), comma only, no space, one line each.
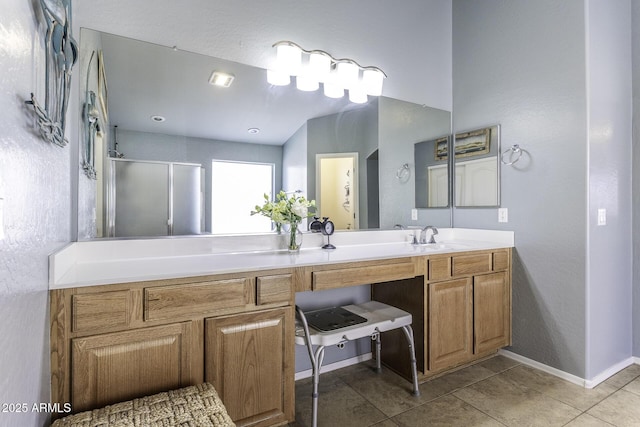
(257,388)
(466,314)
(450,323)
(492,312)
(117,342)
(120,366)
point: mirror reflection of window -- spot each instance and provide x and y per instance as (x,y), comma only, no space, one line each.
(237,187)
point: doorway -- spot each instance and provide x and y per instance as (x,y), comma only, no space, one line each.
(337,189)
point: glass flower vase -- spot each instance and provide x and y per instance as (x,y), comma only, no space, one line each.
(295,238)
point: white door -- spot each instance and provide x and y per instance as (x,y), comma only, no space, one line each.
(477,182)
(438,177)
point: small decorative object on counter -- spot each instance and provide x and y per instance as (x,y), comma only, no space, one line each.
(315,226)
(327,228)
(287,210)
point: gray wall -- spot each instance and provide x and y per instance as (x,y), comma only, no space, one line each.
(154,146)
(401,125)
(609,260)
(35,185)
(346,132)
(635,16)
(294,162)
(534,83)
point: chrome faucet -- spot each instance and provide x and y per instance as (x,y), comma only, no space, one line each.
(423,235)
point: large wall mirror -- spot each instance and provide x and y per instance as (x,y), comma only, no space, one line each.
(153,105)
(476,181)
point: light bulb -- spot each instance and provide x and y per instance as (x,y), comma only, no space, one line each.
(289,59)
(306,82)
(347,73)
(357,94)
(319,65)
(278,78)
(372,80)
(333,90)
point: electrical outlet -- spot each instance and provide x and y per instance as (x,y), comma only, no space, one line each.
(602,217)
(414,214)
(503,215)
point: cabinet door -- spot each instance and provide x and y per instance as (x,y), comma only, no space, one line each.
(249,360)
(492,311)
(121,366)
(450,323)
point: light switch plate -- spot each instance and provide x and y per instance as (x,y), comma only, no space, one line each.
(602,217)
(503,215)
(414,214)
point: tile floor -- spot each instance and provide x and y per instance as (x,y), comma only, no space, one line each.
(496,392)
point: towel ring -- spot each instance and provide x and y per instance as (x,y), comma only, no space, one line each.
(403,172)
(516,151)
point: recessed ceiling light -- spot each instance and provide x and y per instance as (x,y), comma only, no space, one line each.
(253,130)
(158,119)
(218,78)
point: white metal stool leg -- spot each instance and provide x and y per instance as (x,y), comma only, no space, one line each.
(378,348)
(317,364)
(408,333)
(382,318)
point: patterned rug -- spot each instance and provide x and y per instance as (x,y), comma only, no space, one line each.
(194,406)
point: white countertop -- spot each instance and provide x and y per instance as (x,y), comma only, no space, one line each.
(107,261)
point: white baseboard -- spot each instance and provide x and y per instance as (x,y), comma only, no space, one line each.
(609,372)
(335,365)
(570,377)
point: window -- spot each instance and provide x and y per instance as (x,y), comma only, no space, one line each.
(236,189)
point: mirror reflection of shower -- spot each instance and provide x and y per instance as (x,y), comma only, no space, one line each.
(114,152)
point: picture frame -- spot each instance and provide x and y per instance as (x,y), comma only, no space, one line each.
(441,148)
(472,143)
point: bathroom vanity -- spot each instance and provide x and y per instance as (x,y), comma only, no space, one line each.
(132,318)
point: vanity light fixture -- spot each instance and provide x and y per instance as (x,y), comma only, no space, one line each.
(312,67)
(222,79)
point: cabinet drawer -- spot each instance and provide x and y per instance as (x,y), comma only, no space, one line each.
(274,289)
(462,265)
(101,311)
(439,268)
(169,302)
(500,261)
(330,279)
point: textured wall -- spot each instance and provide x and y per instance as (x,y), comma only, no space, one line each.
(635,39)
(609,261)
(294,162)
(532,82)
(402,124)
(346,132)
(34,183)
(376,32)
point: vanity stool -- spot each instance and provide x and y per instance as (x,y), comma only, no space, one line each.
(193,406)
(337,325)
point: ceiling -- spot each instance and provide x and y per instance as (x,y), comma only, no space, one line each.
(146,80)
